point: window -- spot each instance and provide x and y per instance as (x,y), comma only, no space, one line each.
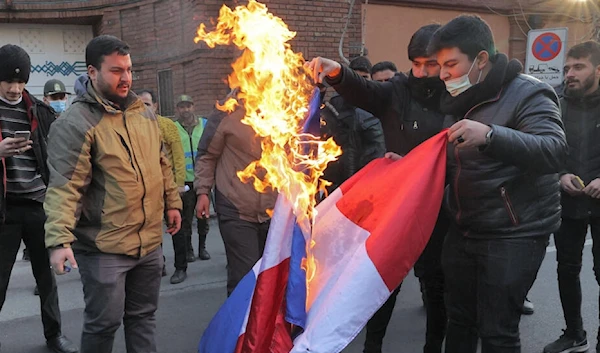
(165,93)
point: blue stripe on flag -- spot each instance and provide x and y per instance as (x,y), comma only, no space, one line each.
(222,333)
(187,154)
(296,288)
(189,166)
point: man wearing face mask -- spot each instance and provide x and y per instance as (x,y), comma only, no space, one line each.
(408,108)
(507,145)
(56,95)
(25,174)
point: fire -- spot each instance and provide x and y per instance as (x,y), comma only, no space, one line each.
(275,89)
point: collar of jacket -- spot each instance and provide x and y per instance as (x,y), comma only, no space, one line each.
(501,73)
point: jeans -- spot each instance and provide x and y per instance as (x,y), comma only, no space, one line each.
(486,283)
(570,240)
(26,221)
(429,267)
(119,288)
(182,240)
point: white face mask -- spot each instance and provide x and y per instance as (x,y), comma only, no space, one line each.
(458,85)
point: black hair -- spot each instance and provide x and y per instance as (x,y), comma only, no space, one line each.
(417,47)
(382,66)
(469,33)
(149,91)
(101,46)
(361,63)
(589,48)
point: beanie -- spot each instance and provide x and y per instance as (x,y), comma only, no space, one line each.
(16,63)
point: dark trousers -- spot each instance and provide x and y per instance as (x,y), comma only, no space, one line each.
(244,245)
(182,240)
(431,276)
(115,288)
(570,240)
(26,221)
(486,283)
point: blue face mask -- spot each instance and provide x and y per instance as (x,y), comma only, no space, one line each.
(59,106)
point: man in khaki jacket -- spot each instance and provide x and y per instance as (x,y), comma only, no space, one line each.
(109,185)
(226,147)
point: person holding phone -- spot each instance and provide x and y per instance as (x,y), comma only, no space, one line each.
(580,184)
(25,122)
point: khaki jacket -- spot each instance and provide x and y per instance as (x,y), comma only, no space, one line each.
(226,147)
(109,179)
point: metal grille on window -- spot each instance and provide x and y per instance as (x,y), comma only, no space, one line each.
(165,93)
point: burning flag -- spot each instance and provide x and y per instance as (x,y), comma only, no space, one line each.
(326,269)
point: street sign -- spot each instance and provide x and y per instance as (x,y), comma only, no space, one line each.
(546,54)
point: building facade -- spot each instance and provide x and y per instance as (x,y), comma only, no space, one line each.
(166,59)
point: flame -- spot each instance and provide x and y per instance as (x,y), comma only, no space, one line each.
(275,89)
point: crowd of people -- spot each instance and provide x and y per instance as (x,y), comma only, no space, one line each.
(91,184)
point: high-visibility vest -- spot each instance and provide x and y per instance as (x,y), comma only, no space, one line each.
(190,146)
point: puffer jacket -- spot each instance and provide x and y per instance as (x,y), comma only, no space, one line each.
(581,117)
(510,188)
(109,179)
(41,117)
(226,147)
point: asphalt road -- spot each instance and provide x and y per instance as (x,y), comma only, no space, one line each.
(185,309)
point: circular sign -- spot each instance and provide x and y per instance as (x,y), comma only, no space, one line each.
(546,46)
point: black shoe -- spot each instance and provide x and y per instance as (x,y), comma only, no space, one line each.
(528,308)
(178,276)
(61,344)
(203,254)
(567,344)
(164,271)
(190,257)
(25,255)
(36,291)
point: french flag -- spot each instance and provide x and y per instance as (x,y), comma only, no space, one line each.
(366,237)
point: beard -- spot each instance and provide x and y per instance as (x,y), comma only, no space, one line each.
(108,92)
(580,92)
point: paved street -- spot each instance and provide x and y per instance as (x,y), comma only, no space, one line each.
(185,309)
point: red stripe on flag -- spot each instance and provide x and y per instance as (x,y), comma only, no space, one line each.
(398,204)
(267,331)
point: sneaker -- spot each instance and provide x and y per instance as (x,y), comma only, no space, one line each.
(528,308)
(25,255)
(164,271)
(178,276)
(566,344)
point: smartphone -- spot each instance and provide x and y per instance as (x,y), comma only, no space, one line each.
(578,183)
(23,134)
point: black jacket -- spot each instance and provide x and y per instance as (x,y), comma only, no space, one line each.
(510,188)
(41,117)
(581,117)
(406,121)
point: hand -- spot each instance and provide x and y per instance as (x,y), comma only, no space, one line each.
(593,189)
(468,133)
(173,221)
(181,189)
(566,183)
(322,67)
(11,146)
(58,257)
(393,156)
(202,206)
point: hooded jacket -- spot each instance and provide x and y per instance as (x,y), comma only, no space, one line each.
(581,117)
(109,179)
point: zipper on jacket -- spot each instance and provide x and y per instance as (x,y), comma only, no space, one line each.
(509,207)
(130,157)
(457,157)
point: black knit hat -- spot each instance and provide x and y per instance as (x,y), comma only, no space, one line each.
(16,63)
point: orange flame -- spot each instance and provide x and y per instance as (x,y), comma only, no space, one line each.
(275,89)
